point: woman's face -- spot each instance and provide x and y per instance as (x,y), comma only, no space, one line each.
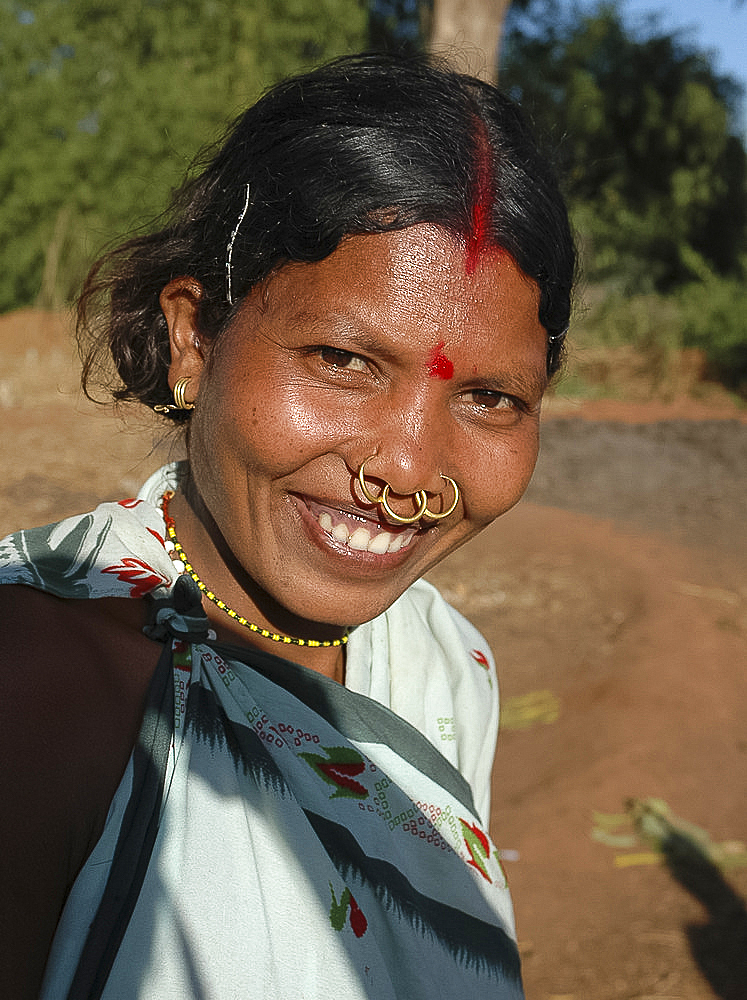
(387,352)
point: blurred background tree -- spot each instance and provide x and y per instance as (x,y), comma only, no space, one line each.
(655,172)
(647,132)
(103,106)
(469,32)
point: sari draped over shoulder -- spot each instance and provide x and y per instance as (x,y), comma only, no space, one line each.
(277,834)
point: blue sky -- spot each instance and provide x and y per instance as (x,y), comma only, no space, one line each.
(717,25)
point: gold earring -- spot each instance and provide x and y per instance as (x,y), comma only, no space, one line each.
(180,403)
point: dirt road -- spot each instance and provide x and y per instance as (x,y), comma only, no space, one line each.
(615,599)
(618,613)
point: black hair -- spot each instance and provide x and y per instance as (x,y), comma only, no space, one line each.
(365,144)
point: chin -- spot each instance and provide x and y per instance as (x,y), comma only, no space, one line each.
(350,609)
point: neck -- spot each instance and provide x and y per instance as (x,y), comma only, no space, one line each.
(220,572)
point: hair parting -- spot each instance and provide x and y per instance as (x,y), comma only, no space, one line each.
(480,235)
(229,253)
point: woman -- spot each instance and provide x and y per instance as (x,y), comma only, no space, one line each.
(258,763)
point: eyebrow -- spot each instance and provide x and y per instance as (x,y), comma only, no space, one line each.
(367,339)
(514,380)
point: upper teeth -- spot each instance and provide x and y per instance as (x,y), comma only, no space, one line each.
(363,538)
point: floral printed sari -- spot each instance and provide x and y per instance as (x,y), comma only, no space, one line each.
(277,834)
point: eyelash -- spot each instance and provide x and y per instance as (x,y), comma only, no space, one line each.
(499,400)
(334,357)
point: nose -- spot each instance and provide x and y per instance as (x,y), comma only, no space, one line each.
(409,452)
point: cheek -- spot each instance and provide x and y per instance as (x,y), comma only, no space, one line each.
(498,481)
(264,425)
(302,414)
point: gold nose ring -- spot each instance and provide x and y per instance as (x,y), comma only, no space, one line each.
(451,508)
(382,500)
(364,489)
(420,496)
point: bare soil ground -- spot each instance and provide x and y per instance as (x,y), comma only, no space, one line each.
(615,599)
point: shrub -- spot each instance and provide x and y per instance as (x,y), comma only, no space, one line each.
(713,316)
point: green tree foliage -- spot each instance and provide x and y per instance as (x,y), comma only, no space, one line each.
(103,105)
(714,319)
(399,25)
(655,172)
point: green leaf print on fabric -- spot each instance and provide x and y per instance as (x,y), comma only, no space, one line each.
(478,846)
(338,912)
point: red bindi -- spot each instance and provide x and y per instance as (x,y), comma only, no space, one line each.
(439,365)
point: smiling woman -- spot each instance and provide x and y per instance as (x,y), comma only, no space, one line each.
(266,717)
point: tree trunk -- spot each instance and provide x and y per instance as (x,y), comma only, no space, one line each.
(468,33)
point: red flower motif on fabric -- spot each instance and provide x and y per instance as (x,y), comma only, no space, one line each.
(142,577)
(339,911)
(182,656)
(480,658)
(158,538)
(338,769)
(357,918)
(478,846)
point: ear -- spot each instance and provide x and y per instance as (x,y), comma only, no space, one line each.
(180,304)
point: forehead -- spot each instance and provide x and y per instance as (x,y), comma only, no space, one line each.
(416,284)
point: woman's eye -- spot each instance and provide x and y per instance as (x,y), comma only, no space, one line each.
(345,360)
(491,400)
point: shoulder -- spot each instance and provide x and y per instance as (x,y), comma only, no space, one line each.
(69,715)
(71,671)
(443,680)
(116,550)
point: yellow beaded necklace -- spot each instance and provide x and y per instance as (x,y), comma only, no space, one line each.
(265,633)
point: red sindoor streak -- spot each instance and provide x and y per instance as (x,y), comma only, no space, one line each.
(480,237)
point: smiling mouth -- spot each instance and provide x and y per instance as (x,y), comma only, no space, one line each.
(360,534)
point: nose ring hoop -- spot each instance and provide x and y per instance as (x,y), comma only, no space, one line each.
(451,508)
(421,497)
